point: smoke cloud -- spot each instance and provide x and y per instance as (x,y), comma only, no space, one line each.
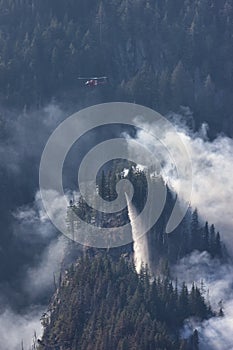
(30,250)
(216,283)
(31,253)
(212,167)
(16,329)
(39,279)
(212,182)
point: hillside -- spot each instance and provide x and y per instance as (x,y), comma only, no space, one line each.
(103,304)
(174,56)
(190,235)
(161,54)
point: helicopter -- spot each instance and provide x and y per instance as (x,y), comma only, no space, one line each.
(93,82)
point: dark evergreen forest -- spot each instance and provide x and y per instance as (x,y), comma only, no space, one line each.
(162,54)
(164,249)
(103,304)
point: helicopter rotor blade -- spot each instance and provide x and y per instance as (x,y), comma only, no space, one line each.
(92,78)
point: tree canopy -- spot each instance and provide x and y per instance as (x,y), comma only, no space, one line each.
(161,54)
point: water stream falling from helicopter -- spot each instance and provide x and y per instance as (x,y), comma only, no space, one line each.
(140,244)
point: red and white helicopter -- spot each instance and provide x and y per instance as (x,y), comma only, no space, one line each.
(93,82)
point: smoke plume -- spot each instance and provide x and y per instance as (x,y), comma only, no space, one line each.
(212,188)
(215,282)
(212,167)
(30,250)
(17,330)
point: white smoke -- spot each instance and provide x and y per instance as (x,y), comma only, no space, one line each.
(212,193)
(212,182)
(22,139)
(16,329)
(26,134)
(39,280)
(140,246)
(216,333)
(212,167)
(216,283)
(34,222)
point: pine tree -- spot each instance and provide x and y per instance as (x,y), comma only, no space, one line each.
(195,231)
(205,238)
(212,240)
(218,246)
(195,340)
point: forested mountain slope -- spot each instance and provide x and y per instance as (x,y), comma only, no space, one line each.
(159,53)
(164,54)
(190,235)
(104,305)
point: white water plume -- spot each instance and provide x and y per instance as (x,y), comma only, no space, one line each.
(140,244)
